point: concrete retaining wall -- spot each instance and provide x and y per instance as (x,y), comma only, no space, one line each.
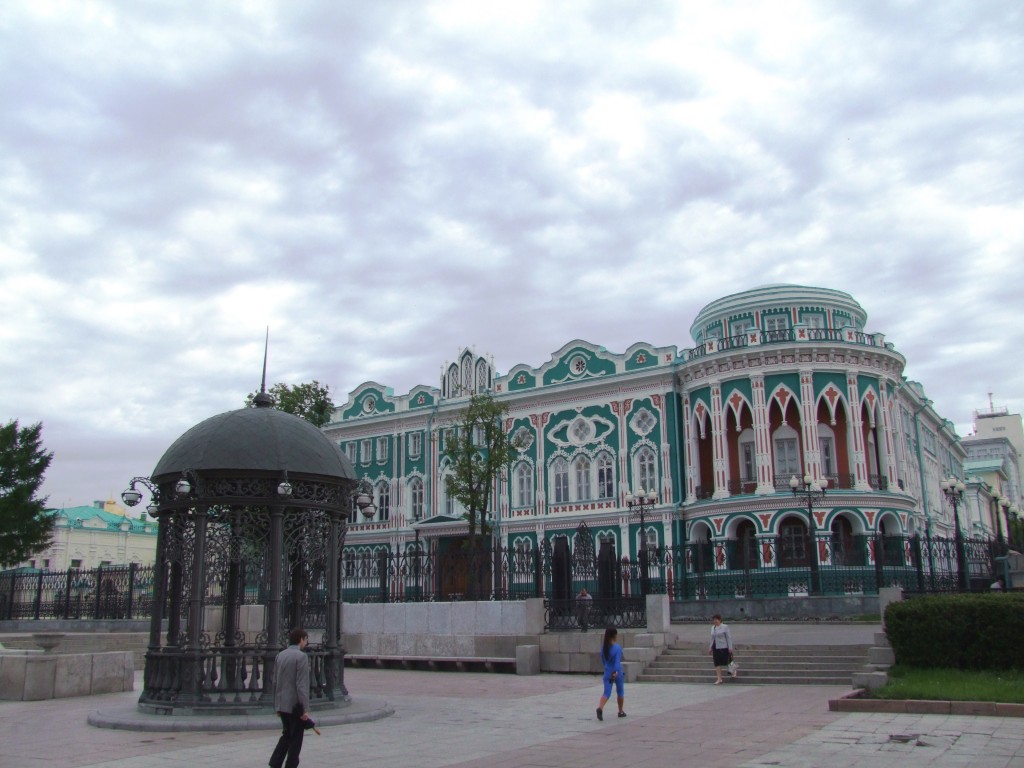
(34,675)
(495,630)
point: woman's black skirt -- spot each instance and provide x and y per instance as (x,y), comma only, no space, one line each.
(721,656)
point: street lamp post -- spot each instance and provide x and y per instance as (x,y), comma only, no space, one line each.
(996,501)
(638,507)
(1012,524)
(954,492)
(812,493)
(132,496)
(364,499)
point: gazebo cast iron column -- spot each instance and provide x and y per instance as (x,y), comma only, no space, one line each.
(335,661)
(193,657)
(273,625)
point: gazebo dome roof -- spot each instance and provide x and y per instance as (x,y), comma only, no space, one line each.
(260,439)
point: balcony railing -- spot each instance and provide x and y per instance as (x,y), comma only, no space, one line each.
(785,336)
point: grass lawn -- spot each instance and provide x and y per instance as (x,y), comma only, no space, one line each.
(954,685)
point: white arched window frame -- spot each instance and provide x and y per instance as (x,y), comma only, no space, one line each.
(560,480)
(581,473)
(827,450)
(449,504)
(748,456)
(416,498)
(383,500)
(522,563)
(524,485)
(786,454)
(605,475)
(646,469)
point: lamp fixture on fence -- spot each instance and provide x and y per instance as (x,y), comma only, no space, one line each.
(812,493)
(954,489)
(638,505)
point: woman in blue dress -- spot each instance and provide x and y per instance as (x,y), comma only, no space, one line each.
(611,657)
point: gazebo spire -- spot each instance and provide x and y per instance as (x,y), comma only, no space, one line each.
(263,400)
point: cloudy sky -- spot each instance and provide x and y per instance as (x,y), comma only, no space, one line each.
(383,183)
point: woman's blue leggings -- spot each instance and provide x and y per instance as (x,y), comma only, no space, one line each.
(620,686)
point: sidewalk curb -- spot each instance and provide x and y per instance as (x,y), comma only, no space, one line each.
(855,702)
(129,718)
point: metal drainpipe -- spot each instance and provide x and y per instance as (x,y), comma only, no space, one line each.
(680,540)
(920,464)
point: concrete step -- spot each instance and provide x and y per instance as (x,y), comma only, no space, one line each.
(762,665)
(742,679)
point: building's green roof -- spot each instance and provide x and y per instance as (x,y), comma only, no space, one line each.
(77,516)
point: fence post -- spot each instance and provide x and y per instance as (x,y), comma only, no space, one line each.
(39,594)
(131,589)
(67,595)
(538,574)
(879,559)
(97,588)
(918,565)
(382,572)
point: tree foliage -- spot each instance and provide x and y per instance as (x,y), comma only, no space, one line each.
(311,401)
(25,527)
(478,449)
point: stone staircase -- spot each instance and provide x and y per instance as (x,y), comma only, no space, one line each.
(762,665)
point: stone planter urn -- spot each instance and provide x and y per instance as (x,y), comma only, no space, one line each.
(48,641)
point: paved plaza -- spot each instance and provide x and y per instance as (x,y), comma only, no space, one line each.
(501,721)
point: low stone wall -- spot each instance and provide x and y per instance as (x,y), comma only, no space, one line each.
(467,630)
(455,629)
(78,641)
(35,675)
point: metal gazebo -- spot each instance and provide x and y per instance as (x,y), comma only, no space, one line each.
(252,507)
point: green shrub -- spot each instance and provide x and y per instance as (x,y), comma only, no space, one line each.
(970,631)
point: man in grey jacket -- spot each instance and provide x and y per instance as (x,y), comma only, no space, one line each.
(291,698)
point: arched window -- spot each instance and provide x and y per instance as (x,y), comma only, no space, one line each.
(416,498)
(447,500)
(786,448)
(581,469)
(748,457)
(384,500)
(522,559)
(845,550)
(646,475)
(560,480)
(745,552)
(827,451)
(793,543)
(524,485)
(605,476)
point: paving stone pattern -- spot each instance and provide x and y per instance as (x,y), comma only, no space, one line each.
(483,720)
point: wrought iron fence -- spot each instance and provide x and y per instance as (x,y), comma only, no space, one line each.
(853,565)
(754,567)
(107,592)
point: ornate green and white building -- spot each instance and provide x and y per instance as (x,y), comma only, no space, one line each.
(778,382)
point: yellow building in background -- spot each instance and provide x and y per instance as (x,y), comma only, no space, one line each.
(98,535)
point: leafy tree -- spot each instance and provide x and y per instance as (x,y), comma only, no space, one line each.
(25,527)
(311,401)
(479,449)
